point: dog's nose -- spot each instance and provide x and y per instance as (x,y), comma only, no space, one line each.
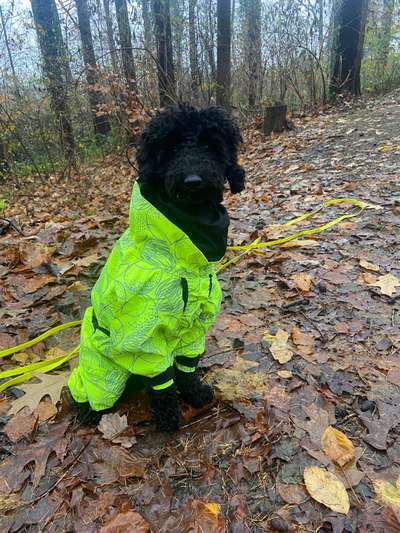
(193,181)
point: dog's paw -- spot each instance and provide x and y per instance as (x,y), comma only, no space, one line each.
(192,390)
(165,409)
(199,397)
(87,415)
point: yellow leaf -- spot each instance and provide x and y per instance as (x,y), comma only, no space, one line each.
(387,284)
(279,349)
(368,278)
(213,508)
(303,281)
(388,493)
(386,148)
(237,382)
(337,446)
(284,374)
(327,489)
(368,266)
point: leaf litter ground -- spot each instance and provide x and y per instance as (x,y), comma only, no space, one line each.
(308,339)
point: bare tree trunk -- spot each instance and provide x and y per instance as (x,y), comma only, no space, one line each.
(146,15)
(385,36)
(10,57)
(224,53)
(348,43)
(211,43)
(177,27)
(110,36)
(165,64)
(321,7)
(4,166)
(194,63)
(100,122)
(54,59)
(125,41)
(252,20)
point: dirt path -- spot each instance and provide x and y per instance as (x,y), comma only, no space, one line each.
(240,466)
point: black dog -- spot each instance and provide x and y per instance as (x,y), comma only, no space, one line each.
(185,156)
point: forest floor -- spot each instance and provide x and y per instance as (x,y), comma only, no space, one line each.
(308,339)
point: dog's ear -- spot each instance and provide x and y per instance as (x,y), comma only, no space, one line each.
(229,133)
(156,144)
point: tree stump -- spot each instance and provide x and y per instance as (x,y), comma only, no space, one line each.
(274,118)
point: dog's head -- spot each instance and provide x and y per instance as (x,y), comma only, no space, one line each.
(188,154)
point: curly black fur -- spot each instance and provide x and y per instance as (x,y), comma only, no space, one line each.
(86,414)
(165,408)
(192,390)
(182,141)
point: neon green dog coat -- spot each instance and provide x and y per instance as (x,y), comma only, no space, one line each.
(155,299)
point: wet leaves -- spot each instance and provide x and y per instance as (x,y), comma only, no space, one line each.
(330,303)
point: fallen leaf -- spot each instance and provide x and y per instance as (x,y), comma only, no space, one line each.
(112,425)
(303,341)
(378,428)
(50,385)
(237,382)
(337,446)
(300,242)
(206,517)
(45,410)
(291,493)
(285,374)
(393,376)
(279,349)
(368,278)
(128,522)
(117,464)
(214,508)
(392,519)
(315,423)
(369,266)
(4,405)
(21,425)
(387,493)
(387,284)
(78,286)
(327,489)
(303,281)
(33,284)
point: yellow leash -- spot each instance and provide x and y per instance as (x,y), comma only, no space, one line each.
(49,333)
(256,245)
(25,373)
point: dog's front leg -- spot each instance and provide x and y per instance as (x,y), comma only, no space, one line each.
(165,408)
(193,391)
(164,401)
